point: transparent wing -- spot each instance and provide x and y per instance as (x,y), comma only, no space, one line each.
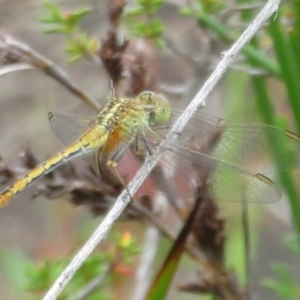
(69,128)
(234,159)
(186,171)
(246,145)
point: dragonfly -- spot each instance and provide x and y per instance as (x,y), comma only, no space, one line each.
(104,139)
(237,155)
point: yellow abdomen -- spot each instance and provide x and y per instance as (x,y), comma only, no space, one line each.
(93,139)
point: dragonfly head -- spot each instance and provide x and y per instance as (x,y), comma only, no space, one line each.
(157,105)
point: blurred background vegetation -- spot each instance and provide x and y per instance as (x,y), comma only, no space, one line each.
(172,48)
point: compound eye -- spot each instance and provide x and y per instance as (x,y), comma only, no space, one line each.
(146,98)
(160,107)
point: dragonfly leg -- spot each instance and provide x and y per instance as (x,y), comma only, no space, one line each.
(112,165)
(112,91)
(141,152)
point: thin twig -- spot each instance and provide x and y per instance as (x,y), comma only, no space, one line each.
(100,233)
(93,285)
(48,67)
(97,282)
(143,273)
(15,68)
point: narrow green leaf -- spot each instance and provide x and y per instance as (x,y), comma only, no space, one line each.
(55,11)
(55,29)
(46,19)
(73,18)
(81,12)
(291,241)
(160,43)
(259,59)
(285,55)
(285,286)
(72,59)
(135,12)
(163,279)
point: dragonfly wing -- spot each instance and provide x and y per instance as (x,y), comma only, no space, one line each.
(92,158)
(187,171)
(244,144)
(234,159)
(232,183)
(68,128)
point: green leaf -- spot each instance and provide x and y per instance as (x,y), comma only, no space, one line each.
(213,6)
(149,7)
(93,45)
(160,43)
(164,278)
(41,277)
(81,12)
(135,12)
(292,243)
(46,19)
(73,18)
(83,38)
(149,30)
(71,46)
(74,58)
(56,29)
(55,11)
(187,11)
(286,287)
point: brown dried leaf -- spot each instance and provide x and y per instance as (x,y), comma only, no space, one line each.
(115,11)
(209,227)
(111,54)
